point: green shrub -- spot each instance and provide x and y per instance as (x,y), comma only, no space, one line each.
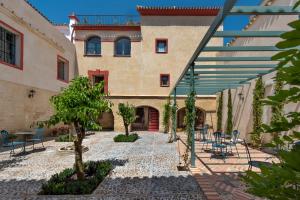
(123,138)
(65,183)
(65,138)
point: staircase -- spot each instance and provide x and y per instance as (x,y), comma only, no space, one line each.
(153,120)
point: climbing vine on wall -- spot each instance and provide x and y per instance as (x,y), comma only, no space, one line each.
(189,122)
(258,95)
(278,108)
(229,124)
(219,112)
(167,115)
(173,117)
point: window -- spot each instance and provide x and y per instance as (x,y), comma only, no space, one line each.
(161,46)
(62,69)
(11,44)
(123,47)
(93,46)
(98,79)
(164,80)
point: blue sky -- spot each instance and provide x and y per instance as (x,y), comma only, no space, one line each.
(58,10)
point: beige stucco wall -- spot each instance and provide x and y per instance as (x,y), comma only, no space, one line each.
(139,75)
(42,44)
(208,104)
(242,109)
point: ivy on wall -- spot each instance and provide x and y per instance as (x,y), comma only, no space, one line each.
(229,124)
(167,115)
(189,122)
(219,112)
(277,109)
(173,117)
(257,106)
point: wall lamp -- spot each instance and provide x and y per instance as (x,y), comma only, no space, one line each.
(241,96)
(31,93)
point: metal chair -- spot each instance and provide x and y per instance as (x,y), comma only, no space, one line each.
(8,141)
(254,163)
(205,136)
(218,144)
(233,141)
(38,136)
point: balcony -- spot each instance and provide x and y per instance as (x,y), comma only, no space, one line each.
(115,20)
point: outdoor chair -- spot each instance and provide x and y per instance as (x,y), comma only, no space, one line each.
(37,137)
(254,163)
(218,146)
(233,141)
(205,136)
(8,142)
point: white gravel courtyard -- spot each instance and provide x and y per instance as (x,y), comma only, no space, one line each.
(145,169)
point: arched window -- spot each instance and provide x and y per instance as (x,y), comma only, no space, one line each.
(123,47)
(93,46)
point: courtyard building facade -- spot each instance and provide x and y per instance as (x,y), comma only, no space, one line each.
(139,58)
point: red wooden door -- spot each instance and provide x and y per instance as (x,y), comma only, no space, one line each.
(153,120)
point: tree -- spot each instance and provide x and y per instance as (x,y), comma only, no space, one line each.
(167,115)
(229,125)
(258,95)
(282,180)
(127,112)
(220,113)
(80,104)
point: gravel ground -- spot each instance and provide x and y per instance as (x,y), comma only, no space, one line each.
(145,169)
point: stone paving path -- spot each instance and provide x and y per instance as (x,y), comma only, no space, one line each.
(145,169)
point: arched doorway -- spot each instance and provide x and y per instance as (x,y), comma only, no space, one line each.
(106,121)
(147,119)
(200,118)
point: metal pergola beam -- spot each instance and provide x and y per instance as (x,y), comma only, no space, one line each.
(206,59)
(264,10)
(212,29)
(233,72)
(241,76)
(235,66)
(248,34)
(241,48)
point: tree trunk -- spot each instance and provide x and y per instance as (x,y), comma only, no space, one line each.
(78,152)
(126,129)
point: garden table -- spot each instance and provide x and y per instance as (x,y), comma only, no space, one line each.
(25,135)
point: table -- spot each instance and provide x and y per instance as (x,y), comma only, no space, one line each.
(25,135)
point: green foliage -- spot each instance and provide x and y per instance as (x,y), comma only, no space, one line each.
(65,138)
(124,138)
(219,112)
(229,124)
(282,180)
(174,121)
(64,183)
(257,110)
(127,112)
(167,115)
(79,104)
(190,116)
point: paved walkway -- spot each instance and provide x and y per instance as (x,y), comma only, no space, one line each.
(145,169)
(219,179)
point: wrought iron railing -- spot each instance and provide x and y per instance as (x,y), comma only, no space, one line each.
(128,20)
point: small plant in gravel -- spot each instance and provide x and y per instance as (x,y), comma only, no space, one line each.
(80,105)
(65,138)
(123,138)
(127,112)
(66,183)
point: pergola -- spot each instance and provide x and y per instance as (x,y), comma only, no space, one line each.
(209,79)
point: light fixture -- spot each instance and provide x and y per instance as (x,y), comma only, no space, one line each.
(31,93)
(241,96)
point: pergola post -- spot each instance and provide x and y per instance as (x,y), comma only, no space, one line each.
(193,159)
(174,118)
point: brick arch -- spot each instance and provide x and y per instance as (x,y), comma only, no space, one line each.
(147,118)
(200,121)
